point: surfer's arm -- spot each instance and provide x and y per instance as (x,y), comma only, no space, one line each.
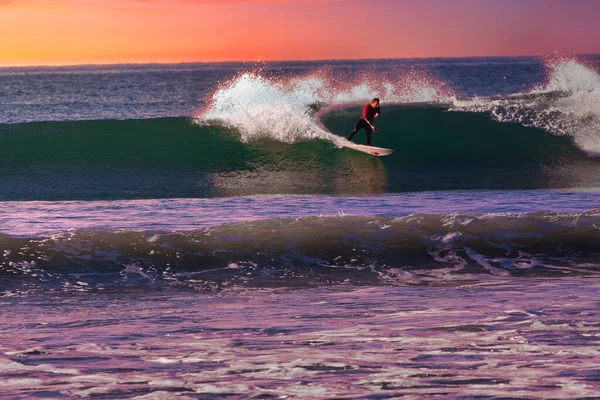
(364,114)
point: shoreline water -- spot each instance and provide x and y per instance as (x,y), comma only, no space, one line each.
(509,339)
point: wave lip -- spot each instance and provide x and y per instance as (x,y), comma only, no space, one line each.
(425,249)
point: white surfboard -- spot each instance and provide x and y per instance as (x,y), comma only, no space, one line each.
(374,151)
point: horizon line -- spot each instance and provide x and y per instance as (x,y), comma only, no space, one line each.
(99,64)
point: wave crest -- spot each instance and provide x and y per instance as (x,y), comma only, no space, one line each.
(284,109)
(567,104)
(413,249)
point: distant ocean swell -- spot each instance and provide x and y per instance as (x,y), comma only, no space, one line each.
(313,251)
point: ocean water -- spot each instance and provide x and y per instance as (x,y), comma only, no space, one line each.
(198,230)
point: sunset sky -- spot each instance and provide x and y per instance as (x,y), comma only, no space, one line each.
(40,32)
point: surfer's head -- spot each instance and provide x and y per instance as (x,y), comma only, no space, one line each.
(375,102)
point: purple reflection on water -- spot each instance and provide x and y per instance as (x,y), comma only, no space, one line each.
(519,338)
(27,218)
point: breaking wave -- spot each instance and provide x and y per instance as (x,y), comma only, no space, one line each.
(567,104)
(418,249)
(285,109)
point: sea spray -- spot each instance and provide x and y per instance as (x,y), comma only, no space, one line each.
(284,109)
(567,104)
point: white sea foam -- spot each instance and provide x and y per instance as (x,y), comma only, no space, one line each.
(569,75)
(567,104)
(284,109)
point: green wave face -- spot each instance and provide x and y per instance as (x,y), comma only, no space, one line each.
(436,149)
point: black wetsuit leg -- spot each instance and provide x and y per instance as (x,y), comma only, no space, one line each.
(362,124)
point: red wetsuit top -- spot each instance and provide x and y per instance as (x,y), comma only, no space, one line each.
(369,112)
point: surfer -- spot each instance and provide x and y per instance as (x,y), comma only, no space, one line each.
(370,112)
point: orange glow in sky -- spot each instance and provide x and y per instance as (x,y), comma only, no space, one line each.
(41,32)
